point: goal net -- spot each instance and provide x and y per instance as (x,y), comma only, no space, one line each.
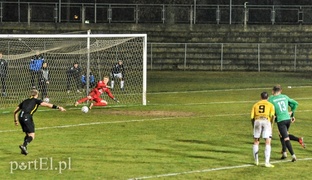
(95,54)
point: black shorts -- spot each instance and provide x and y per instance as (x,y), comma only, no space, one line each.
(283,127)
(27,124)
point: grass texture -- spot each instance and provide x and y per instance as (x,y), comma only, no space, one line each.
(196,125)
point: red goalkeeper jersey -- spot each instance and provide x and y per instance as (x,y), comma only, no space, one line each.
(96,92)
(108,92)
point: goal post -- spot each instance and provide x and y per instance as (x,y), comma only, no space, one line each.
(95,55)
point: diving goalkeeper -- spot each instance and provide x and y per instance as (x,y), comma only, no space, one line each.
(95,94)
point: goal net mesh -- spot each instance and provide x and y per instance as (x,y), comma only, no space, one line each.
(60,53)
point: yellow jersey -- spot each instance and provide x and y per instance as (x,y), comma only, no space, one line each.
(263,110)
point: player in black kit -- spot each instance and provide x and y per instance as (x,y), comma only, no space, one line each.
(118,72)
(26,110)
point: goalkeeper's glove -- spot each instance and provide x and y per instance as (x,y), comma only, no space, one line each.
(116,100)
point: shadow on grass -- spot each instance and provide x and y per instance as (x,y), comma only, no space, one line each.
(179,153)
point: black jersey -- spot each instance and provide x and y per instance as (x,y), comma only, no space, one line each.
(117,68)
(29,106)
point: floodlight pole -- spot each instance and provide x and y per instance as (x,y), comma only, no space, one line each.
(230,12)
(59,11)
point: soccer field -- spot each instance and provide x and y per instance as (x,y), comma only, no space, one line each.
(196,125)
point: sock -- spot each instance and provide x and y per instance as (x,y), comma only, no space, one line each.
(122,84)
(289,147)
(255,149)
(283,144)
(267,153)
(27,140)
(285,154)
(112,84)
(293,138)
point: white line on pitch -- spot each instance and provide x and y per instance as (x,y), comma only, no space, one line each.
(222,90)
(209,170)
(129,121)
(135,120)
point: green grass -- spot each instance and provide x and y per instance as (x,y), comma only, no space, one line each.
(196,126)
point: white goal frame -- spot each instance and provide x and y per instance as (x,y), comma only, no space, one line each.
(87,37)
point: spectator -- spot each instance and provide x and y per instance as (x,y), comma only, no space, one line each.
(73,76)
(35,68)
(3,73)
(84,80)
(44,80)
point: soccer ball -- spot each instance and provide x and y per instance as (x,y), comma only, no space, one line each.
(47,100)
(84,109)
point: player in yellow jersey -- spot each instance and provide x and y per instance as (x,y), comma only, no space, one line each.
(262,115)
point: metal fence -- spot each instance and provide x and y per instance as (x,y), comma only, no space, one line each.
(230,56)
(154,13)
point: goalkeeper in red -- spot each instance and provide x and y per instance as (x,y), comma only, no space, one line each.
(95,94)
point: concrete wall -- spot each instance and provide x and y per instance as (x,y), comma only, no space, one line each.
(278,48)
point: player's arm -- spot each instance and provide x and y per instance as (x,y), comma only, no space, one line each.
(109,93)
(52,106)
(272,114)
(252,116)
(16,115)
(293,106)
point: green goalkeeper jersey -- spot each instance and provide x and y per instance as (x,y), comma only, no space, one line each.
(281,103)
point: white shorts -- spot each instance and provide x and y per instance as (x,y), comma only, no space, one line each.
(118,75)
(262,126)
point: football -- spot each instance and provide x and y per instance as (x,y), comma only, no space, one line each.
(84,109)
(47,100)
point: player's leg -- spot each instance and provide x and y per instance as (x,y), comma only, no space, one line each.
(267,135)
(112,80)
(267,152)
(81,101)
(295,138)
(255,147)
(100,103)
(122,83)
(29,128)
(283,129)
(29,137)
(2,79)
(284,148)
(97,101)
(77,82)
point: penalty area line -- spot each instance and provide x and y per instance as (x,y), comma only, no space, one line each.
(126,121)
(210,170)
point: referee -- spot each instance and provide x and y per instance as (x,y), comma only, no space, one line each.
(26,110)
